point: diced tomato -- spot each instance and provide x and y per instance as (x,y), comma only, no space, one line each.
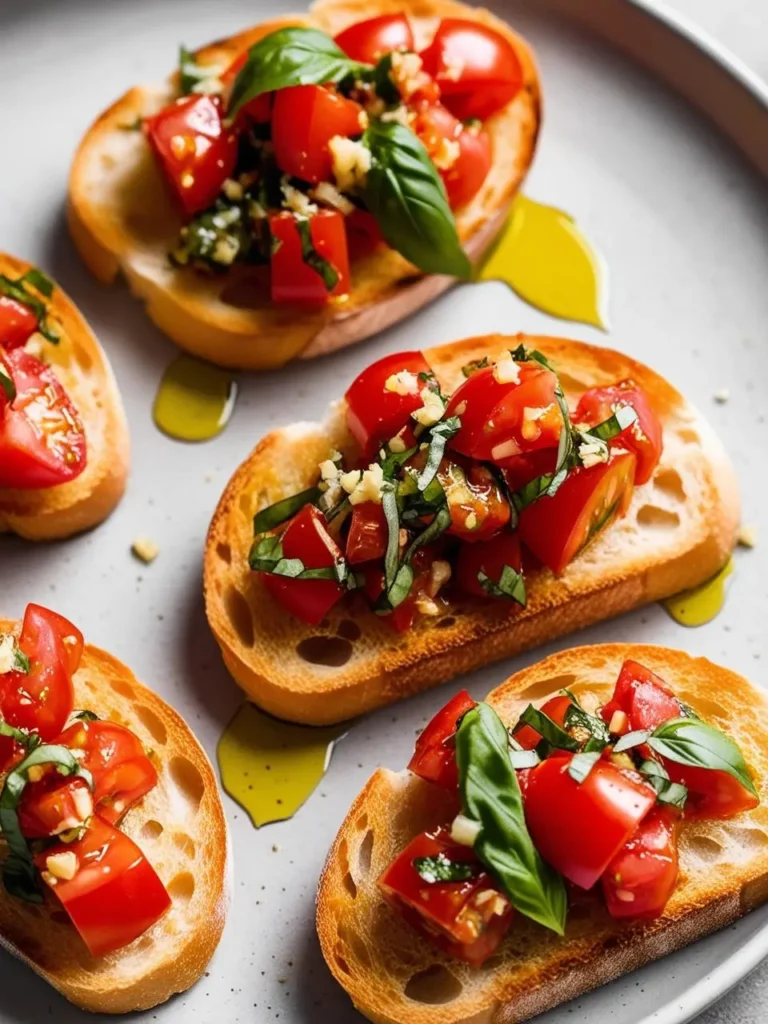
(367,41)
(521,469)
(479,509)
(115,895)
(579,827)
(488,557)
(642,876)
(501,420)
(54,805)
(258,109)
(17,323)
(376,412)
(463,177)
(306,538)
(434,758)
(304,120)
(422,588)
(711,793)
(367,538)
(363,233)
(556,529)
(293,278)
(477,69)
(42,439)
(469,918)
(643,696)
(196,151)
(556,709)
(643,437)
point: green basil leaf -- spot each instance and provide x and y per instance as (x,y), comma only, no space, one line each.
(312,257)
(624,417)
(442,869)
(284,509)
(532,491)
(18,291)
(405,194)
(547,728)
(83,716)
(400,588)
(474,366)
(581,764)
(23,737)
(440,435)
(631,740)
(667,792)
(688,741)
(20,660)
(511,585)
(577,717)
(7,384)
(290,56)
(490,796)
(38,280)
(393,462)
(392,517)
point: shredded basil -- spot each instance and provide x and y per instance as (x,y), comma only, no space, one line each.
(20,660)
(510,585)
(622,418)
(266,555)
(312,257)
(7,384)
(392,517)
(688,741)
(474,366)
(581,764)
(193,76)
(631,740)
(577,717)
(225,234)
(38,280)
(441,869)
(19,291)
(284,509)
(667,792)
(524,759)
(555,736)
(439,436)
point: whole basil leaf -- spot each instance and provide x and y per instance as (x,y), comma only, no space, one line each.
(406,195)
(689,741)
(290,56)
(490,795)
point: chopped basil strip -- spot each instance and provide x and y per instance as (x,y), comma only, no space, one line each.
(624,416)
(549,730)
(511,585)
(524,759)
(490,796)
(7,384)
(582,764)
(392,517)
(26,739)
(225,234)
(442,869)
(284,509)
(631,740)
(533,490)
(19,291)
(266,555)
(395,461)
(193,76)
(83,716)
(312,257)
(38,280)
(440,435)
(382,82)
(474,366)
(667,792)
(577,717)
(20,660)
(689,741)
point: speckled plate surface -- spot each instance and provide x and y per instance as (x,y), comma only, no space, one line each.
(682,220)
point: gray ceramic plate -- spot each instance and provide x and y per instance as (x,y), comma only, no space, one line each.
(682,221)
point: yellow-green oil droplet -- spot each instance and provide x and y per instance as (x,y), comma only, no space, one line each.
(543,256)
(699,605)
(195,400)
(271,767)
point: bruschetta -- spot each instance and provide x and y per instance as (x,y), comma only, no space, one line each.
(64,450)
(115,861)
(597,811)
(310,181)
(478,498)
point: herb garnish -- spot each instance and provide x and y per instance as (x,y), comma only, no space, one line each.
(7,384)
(19,291)
(276,514)
(511,585)
(667,792)
(581,764)
(554,734)
(441,869)
(266,555)
(440,435)
(689,741)
(194,77)
(312,257)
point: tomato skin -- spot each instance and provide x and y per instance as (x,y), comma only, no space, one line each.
(42,439)
(194,148)
(556,709)
(363,233)
(292,279)
(643,696)
(367,538)
(711,793)
(375,414)
(556,529)
(306,538)
(643,437)
(489,557)
(477,69)
(367,41)
(116,895)
(463,179)
(642,876)
(51,805)
(304,120)
(496,424)
(258,109)
(434,758)
(17,323)
(579,828)
(448,911)
(479,509)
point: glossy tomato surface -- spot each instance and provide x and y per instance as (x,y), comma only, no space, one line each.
(711,793)
(464,173)
(367,538)
(115,895)
(304,120)
(17,323)
(579,827)
(488,557)
(42,439)
(643,696)
(434,758)
(376,412)
(478,506)
(367,41)
(195,149)
(642,876)
(643,437)
(557,529)
(556,709)
(476,68)
(293,279)
(467,918)
(53,805)
(306,538)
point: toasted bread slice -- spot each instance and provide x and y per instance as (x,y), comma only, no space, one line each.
(395,976)
(679,531)
(180,826)
(83,368)
(122,218)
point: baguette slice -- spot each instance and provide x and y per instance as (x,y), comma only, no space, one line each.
(395,976)
(83,368)
(679,531)
(180,826)
(122,217)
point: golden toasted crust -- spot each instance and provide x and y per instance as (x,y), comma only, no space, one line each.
(679,531)
(180,826)
(83,368)
(122,218)
(395,976)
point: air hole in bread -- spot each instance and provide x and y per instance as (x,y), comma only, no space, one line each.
(331,651)
(247,293)
(445,623)
(364,854)
(357,945)
(362,822)
(349,630)
(658,518)
(246,504)
(669,482)
(188,779)
(184,843)
(123,689)
(543,687)
(688,436)
(181,887)
(151,829)
(343,965)
(434,986)
(153,723)
(349,884)
(83,357)
(224,551)
(750,840)
(346,880)
(239,612)
(703,847)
